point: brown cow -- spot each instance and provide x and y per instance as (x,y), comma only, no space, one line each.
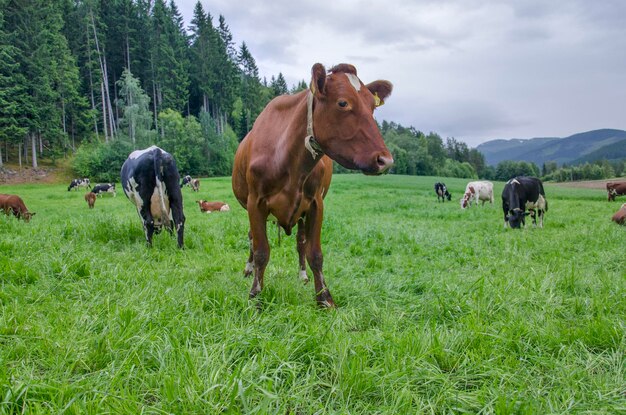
(15,204)
(283,169)
(620,215)
(90,198)
(209,207)
(615,189)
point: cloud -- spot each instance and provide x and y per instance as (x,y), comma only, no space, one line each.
(472,69)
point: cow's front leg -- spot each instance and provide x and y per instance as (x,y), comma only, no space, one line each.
(260,246)
(314,256)
(301,246)
(148,223)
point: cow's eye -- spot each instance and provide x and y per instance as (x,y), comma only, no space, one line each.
(342,103)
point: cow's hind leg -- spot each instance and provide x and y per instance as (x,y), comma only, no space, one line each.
(314,256)
(260,246)
(148,224)
(250,264)
(301,245)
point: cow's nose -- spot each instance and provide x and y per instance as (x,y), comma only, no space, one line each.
(384,163)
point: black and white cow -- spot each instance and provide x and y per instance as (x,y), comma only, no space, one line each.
(442,192)
(523,193)
(76,183)
(150,181)
(101,188)
(186,181)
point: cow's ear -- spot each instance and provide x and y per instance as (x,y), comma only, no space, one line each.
(318,79)
(381,90)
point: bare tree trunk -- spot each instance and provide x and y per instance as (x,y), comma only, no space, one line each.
(106,102)
(0,156)
(40,143)
(33,139)
(19,154)
(104,114)
(26,143)
(63,116)
(93,99)
(156,120)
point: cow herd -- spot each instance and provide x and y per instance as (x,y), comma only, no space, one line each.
(283,168)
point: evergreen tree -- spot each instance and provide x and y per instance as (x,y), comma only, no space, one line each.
(13,97)
(169,73)
(279,85)
(250,88)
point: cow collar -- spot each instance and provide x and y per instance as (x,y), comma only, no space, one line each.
(310,142)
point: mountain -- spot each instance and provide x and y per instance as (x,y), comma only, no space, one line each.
(578,148)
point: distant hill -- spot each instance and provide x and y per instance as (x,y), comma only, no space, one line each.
(578,148)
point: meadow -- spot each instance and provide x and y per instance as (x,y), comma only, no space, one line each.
(440,310)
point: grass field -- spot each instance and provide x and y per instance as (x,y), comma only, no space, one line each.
(441,311)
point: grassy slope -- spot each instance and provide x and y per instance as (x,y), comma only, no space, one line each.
(441,310)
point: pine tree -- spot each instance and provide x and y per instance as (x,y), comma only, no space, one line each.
(12,92)
(250,87)
(279,85)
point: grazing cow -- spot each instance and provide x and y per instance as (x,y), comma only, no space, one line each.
(523,193)
(195,185)
(209,207)
(477,191)
(150,181)
(14,204)
(76,183)
(614,189)
(620,215)
(442,192)
(90,198)
(102,188)
(186,181)
(283,166)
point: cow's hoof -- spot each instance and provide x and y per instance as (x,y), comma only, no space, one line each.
(325,300)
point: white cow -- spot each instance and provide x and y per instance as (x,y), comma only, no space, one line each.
(475,191)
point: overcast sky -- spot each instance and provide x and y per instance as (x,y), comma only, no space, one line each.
(475,70)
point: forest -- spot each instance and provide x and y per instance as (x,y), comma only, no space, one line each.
(90,80)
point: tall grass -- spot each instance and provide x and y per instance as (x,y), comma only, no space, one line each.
(440,310)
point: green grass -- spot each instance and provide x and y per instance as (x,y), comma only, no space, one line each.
(441,311)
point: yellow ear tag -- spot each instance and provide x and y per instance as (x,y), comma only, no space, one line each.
(312,87)
(377,100)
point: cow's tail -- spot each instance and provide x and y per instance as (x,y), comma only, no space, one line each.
(543,193)
(158,172)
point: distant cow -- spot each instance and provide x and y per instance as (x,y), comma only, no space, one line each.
(101,188)
(614,189)
(14,204)
(620,215)
(186,181)
(195,185)
(150,181)
(523,193)
(442,192)
(76,183)
(90,198)
(209,207)
(477,191)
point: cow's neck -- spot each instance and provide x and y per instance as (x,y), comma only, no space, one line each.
(303,153)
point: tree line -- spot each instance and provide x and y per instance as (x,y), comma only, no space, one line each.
(95,79)
(98,77)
